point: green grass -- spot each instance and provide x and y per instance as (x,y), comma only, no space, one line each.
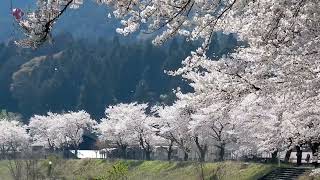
(146,170)
(4,172)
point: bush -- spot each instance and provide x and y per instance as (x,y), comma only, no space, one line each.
(119,171)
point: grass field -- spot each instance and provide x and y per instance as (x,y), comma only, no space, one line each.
(144,170)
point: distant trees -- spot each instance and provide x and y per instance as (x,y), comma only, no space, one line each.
(52,131)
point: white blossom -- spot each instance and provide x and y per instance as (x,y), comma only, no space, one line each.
(60,130)
(13,136)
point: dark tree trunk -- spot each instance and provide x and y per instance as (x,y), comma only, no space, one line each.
(314,148)
(299,155)
(202,149)
(186,156)
(146,148)
(274,157)
(76,153)
(221,152)
(170,150)
(169,155)
(123,151)
(202,156)
(287,156)
(3,154)
(148,151)
(51,150)
(148,155)
(65,153)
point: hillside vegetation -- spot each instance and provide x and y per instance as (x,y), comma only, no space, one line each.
(76,74)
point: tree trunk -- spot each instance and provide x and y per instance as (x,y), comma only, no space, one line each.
(287,156)
(65,153)
(148,155)
(169,155)
(202,149)
(3,154)
(299,155)
(186,156)
(146,148)
(51,150)
(75,153)
(170,150)
(274,157)
(221,152)
(123,151)
(202,156)
(314,149)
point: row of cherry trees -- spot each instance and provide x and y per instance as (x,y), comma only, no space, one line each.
(203,118)
(53,131)
(196,120)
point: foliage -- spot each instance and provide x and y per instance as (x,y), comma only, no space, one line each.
(119,171)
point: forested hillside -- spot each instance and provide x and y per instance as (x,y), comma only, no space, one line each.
(74,74)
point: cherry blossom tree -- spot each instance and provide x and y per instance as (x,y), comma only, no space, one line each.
(213,127)
(173,125)
(302,124)
(74,125)
(14,142)
(219,87)
(258,121)
(44,130)
(128,124)
(262,22)
(61,130)
(155,137)
(140,126)
(13,137)
(37,25)
(114,128)
(273,122)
